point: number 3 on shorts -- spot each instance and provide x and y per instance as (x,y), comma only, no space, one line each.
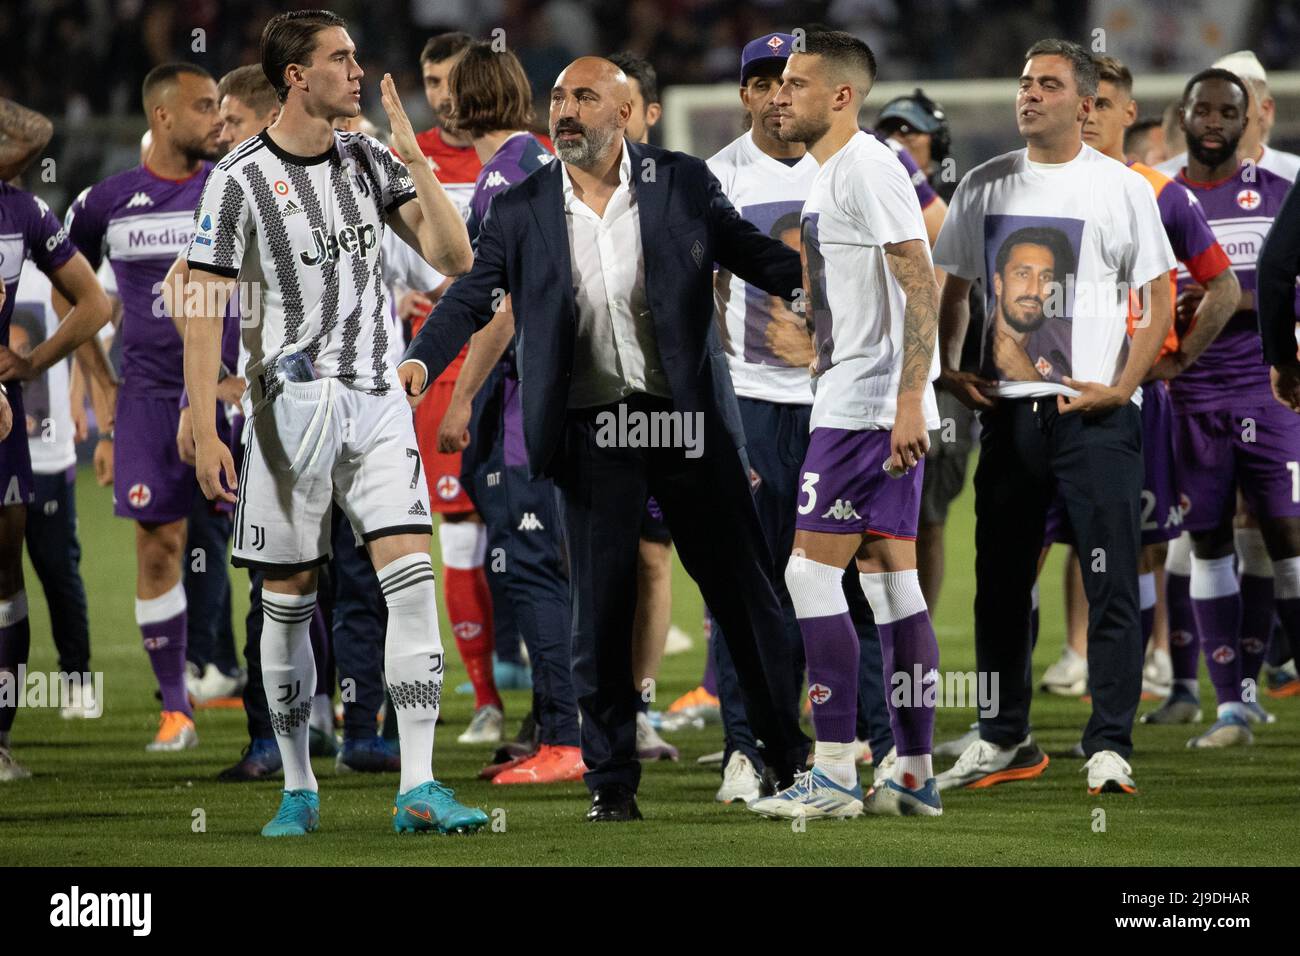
(810,478)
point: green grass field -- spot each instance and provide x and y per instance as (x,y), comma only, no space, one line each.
(97,798)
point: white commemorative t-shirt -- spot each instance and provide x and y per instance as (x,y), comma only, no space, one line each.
(45,398)
(306,233)
(861,200)
(765,342)
(1057,247)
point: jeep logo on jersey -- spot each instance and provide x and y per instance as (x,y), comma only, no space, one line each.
(354,240)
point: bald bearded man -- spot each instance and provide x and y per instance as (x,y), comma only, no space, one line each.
(608,256)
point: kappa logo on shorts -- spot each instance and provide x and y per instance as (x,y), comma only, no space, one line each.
(417,509)
(448,487)
(529,522)
(1224,654)
(819,693)
(842,510)
(139,496)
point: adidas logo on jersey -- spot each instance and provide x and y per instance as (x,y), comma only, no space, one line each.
(139,200)
(291,208)
(417,509)
(529,522)
(495,178)
(842,510)
(354,240)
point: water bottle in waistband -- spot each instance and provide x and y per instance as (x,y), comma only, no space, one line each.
(296,367)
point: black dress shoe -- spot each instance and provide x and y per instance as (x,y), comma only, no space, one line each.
(613,803)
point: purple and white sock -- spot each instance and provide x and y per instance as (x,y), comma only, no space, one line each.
(910,654)
(1184,644)
(15,644)
(1216,605)
(831,648)
(162,622)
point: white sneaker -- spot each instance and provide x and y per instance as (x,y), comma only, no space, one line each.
(812,796)
(885,769)
(984,764)
(677,642)
(193,680)
(485,728)
(740,781)
(955,748)
(214,684)
(1068,677)
(1230,730)
(11,769)
(1108,772)
(649,745)
(81,704)
(1256,714)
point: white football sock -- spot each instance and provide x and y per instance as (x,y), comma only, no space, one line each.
(919,768)
(289,676)
(837,762)
(413,663)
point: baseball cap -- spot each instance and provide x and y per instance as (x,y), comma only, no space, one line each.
(771,50)
(1245,64)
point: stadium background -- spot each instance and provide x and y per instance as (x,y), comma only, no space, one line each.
(81,62)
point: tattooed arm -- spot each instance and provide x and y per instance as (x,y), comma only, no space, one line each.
(23,134)
(910,264)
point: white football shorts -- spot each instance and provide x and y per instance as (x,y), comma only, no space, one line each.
(316,443)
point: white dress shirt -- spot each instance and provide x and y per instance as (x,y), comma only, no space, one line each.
(616,353)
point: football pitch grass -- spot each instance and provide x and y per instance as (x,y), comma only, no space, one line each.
(97,798)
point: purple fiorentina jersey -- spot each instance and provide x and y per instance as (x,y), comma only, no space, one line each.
(27,228)
(1240,210)
(141,222)
(513,162)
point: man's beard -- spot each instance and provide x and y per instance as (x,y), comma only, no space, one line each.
(202,149)
(802,131)
(583,152)
(1035,321)
(1212,156)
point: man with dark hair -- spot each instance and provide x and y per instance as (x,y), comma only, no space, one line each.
(1260,112)
(1078,434)
(480,615)
(1230,437)
(612,321)
(304,207)
(152,485)
(1144,142)
(870,279)
(646,108)
(247,102)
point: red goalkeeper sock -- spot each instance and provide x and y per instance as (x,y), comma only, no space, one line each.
(469,604)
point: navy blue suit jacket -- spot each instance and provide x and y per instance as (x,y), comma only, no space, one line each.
(687,225)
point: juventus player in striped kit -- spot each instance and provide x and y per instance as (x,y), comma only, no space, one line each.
(299,210)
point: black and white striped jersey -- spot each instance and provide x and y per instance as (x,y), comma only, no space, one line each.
(303,234)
